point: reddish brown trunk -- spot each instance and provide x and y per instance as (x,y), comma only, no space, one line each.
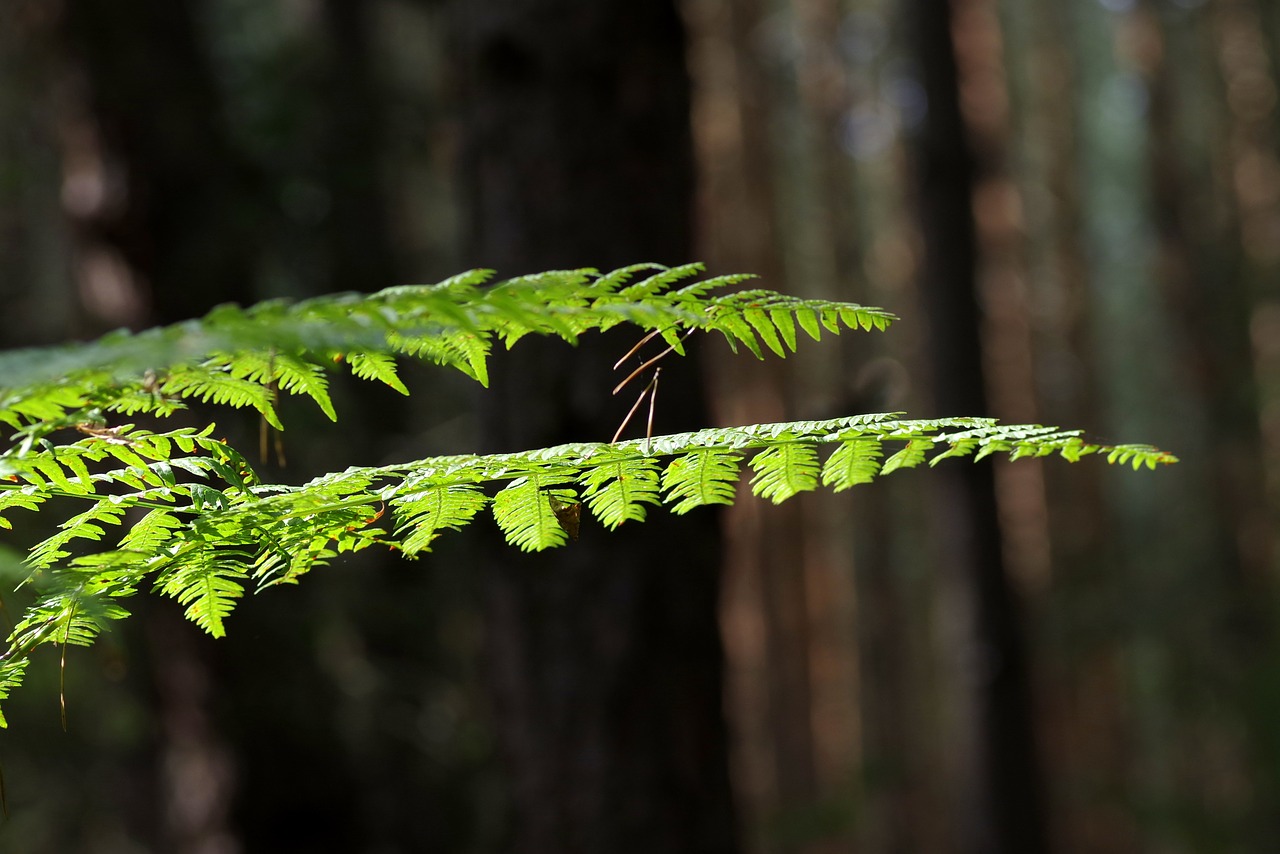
(605,656)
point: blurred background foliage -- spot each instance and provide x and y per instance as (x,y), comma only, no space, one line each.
(1074,207)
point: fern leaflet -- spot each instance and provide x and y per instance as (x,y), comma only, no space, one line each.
(785,470)
(704,476)
(618,491)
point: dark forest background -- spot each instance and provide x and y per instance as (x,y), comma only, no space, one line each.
(1075,208)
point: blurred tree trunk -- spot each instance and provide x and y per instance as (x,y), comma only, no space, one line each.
(34,238)
(605,657)
(358,229)
(172,219)
(1002,777)
(1214,273)
(164,213)
(1156,546)
(1081,725)
(766,599)
(169,193)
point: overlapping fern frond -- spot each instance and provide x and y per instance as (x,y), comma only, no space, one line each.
(238,356)
(186,515)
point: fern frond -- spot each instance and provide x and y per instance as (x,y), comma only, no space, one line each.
(376,366)
(523,512)
(11,672)
(213,383)
(205,550)
(233,356)
(428,510)
(618,491)
(211,527)
(660,281)
(151,533)
(83,526)
(208,581)
(704,476)
(77,603)
(785,470)
(855,461)
(911,455)
(287,372)
(25,498)
(610,283)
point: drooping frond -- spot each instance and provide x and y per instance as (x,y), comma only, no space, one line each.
(207,580)
(785,470)
(427,510)
(618,491)
(203,544)
(855,461)
(376,366)
(185,514)
(524,512)
(700,477)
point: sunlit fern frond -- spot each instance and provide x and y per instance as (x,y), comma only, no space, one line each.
(185,513)
(238,357)
(426,510)
(617,491)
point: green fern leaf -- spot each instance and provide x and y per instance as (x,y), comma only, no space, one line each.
(856,461)
(86,615)
(376,366)
(785,322)
(208,581)
(211,526)
(735,329)
(426,512)
(911,455)
(808,320)
(659,281)
(298,377)
(50,467)
(82,526)
(610,283)
(715,283)
(700,477)
(150,533)
(523,512)
(763,324)
(217,386)
(11,672)
(617,492)
(784,470)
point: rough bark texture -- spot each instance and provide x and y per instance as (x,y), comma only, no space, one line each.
(605,655)
(1005,813)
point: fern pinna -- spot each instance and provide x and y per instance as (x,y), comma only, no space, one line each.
(186,514)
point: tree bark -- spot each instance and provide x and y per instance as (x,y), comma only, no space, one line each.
(1003,782)
(185,214)
(605,658)
(163,212)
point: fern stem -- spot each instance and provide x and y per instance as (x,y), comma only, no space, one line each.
(652,361)
(652,387)
(645,340)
